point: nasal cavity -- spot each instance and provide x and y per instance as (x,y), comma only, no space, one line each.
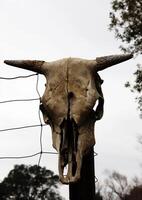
(70,95)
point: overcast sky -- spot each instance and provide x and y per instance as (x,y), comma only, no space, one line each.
(53,29)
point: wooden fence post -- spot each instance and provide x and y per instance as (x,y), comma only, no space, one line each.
(85,188)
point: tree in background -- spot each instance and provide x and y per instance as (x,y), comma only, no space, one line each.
(116,186)
(98,189)
(137,87)
(98,196)
(126,18)
(30,182)
(126,22)
(135,194)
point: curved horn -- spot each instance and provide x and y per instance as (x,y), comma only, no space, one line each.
(107,61)
(33,65)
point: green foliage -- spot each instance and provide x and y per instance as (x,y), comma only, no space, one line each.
(126,22)
(137,87)
(126,18)
(29,182)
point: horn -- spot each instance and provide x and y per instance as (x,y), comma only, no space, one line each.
(107,61)
(33,65)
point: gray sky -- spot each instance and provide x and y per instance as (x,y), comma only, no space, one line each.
(53,29)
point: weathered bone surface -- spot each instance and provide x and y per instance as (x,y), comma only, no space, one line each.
(73,87)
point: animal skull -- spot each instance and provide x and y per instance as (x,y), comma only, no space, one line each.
(73,87)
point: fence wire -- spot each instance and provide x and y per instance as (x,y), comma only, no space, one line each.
(41,125)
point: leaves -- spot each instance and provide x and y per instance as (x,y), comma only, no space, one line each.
(136,87)
(33,182)
(126,22)
(117,187)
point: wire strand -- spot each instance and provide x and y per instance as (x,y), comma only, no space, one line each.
(18,100)
(41,129)
(27,156)
(21,127)
(28,126)
(17,77)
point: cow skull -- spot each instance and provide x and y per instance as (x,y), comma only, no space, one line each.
(73,87)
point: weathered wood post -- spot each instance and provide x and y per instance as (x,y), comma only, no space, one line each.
(84,189)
